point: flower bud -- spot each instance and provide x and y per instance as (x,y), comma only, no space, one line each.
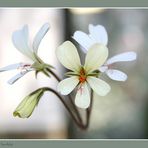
(28,104)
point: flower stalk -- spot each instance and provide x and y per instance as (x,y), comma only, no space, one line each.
(78,119)
(75,116)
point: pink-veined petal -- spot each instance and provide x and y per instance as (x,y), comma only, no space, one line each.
(20,41)
(68,56)
(96,56)
(98,34)
(39,36)
(116,75)
(99,86)
(123,57)
(82,98)
(67,85)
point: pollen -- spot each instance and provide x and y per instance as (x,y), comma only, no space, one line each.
(82,76)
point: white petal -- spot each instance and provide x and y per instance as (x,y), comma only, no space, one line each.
(103,68)
(39,36)
(98,33)
(82,98)
(83,39)
(11,67)
(123,57)
(68,56)
(99,86)
(20,41)
(16,77)
(116,75)
(66,86)
(96,56)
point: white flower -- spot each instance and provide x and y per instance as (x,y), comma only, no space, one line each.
(113,73)
(82,77)
(98,34)
(21,42)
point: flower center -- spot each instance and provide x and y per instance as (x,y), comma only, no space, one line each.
(82,76)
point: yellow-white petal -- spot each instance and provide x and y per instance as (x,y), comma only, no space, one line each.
(68,56)
(82,98)
(96,56)
(99,86)
(66,86)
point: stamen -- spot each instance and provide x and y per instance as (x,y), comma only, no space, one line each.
(82,76)
(24,67)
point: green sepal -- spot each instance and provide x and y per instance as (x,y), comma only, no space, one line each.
(36,73)
(95,73)
(71,74)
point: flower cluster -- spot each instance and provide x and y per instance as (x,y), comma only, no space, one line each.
(82,77)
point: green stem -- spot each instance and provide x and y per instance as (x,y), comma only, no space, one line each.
(88,111)
(74,107)
(56,77)
(66,106)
